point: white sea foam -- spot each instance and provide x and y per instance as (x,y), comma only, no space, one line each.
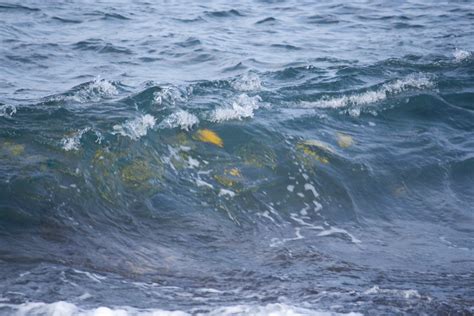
(93,276)
(224,192)
(62,308)
(193,163)
(168,95)
(461,55)
(334,230)
(358,100)
(267,215)
(278,242)
(248,82)
(7,110)
(310,187)
(276,309)
(181,119)
(73,142)
(403,293)
(242,107)
(301,220)
(202,183)
(135,128)
(94,91)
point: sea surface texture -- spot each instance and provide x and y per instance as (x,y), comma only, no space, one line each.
(275,157)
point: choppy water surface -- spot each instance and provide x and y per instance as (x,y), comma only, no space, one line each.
(212,158)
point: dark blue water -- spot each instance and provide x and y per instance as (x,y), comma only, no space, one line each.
(209,158)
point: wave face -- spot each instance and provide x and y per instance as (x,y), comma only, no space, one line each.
(205,159)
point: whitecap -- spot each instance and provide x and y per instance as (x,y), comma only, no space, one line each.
(242,107)
(94,91)
(7,110)
(135,128)
(358,100)
(69,309)
(461,55)
(181,119)
(408,294)
(275,309)
(248,82)
(73,142)
(168,95)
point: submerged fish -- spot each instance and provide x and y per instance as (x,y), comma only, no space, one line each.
(315,149)
(13,149)
(318,144)
(344,140)
(208,136)
(257,154)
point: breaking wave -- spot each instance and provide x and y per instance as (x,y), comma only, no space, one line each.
(93,91)
(181,119)
(358,100)
(242,107)
(461,55)
(216,197)
(7,110)
(135,128)
(69,309)
(73,142)
(248,82)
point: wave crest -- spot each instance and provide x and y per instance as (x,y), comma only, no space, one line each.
(66,308)
(73,142)
(242,107)
(461,55)
(94,91)
(135,128)
(181,119)
(7,110)
(369,97)
(248,82)
(169,96)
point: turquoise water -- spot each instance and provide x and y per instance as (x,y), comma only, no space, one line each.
(234,159)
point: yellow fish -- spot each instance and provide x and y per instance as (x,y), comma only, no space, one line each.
(344,140)
(14,149)
(318,144)
(307,148)
(234,172)
(208,136)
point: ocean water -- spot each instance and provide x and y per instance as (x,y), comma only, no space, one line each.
(274,157)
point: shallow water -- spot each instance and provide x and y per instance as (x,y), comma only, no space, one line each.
(277,157)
